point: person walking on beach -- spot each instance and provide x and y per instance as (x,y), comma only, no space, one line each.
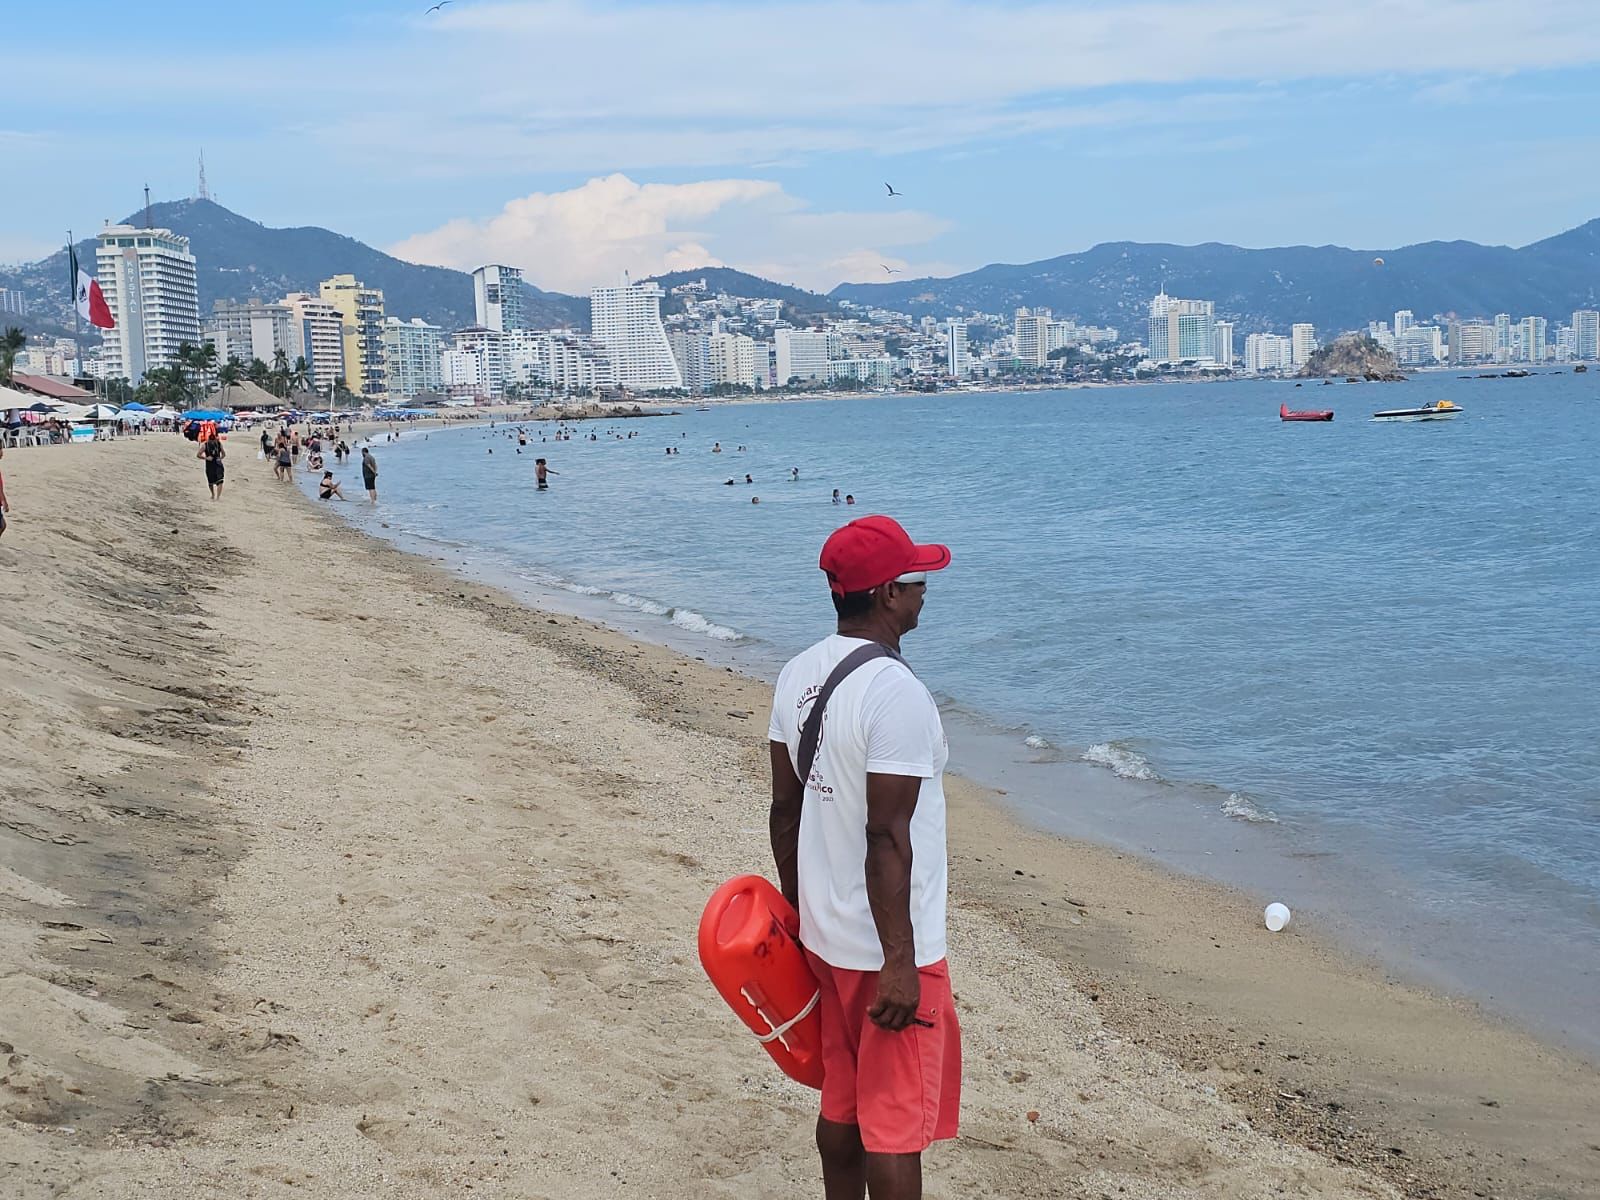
(860,852)
(283,466)
(369,474)
(212,452)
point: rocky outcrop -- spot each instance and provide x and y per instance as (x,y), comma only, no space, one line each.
(1353,356)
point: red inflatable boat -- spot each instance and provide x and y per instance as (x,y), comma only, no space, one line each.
(1285,413)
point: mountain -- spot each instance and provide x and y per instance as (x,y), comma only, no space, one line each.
(802,303)
(1330,286)
(238,259)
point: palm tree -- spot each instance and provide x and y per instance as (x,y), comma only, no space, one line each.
(257,372)
(300,374)
(228,377)
(12,343)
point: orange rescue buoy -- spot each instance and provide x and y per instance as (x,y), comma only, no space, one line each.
(750,951)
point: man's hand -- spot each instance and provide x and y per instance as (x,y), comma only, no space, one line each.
(899,993)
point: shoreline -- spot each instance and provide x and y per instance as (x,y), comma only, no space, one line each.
(1340,882)
(1139,1011)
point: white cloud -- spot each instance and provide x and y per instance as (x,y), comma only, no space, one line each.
(572,240)
(603,85)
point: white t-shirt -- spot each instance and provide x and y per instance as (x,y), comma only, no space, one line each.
(880,719)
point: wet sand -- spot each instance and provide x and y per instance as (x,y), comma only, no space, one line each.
(324,872)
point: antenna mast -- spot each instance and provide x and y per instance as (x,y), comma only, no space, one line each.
(205,193)
(148,223)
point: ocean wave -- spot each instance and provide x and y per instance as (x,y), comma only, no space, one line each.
(1034,742)
(687,618)
(1121,761)
(1242,808)
(640,604)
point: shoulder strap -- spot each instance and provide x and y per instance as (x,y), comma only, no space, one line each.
(811,732)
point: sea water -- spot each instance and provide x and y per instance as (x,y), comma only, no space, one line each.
(1353,666)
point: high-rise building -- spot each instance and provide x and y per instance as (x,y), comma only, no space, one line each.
(1303,337)
(251,329)
(316,333)
(1586,334)
(1472,342)
(691,350)
(804,354)
(1265,353)
(361,311)
(1535,335)
(626,321)
(148,277)
(475,365)
(733,360)
(411,351)
(957,356)
(1503,338)
(13,302)
(560,359)
(1223,349)
(1404,319)
(1420,346)
(1030,333)
(497,297)
(1182,330)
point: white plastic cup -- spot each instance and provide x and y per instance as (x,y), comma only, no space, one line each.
(1276,916)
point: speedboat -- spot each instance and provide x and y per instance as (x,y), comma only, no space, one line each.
(1437,411)
(1285,413)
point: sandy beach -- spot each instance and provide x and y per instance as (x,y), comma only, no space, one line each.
(323,872)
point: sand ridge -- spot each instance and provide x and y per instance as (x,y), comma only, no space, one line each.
(420,869)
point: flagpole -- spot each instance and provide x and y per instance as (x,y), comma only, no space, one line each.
(77,319)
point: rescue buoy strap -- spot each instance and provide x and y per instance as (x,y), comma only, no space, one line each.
(780,1030)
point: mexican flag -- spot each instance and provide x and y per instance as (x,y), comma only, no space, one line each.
(92,306)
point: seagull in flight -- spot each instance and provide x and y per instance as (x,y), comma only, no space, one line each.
(890,186)
(889,269)
(438,6)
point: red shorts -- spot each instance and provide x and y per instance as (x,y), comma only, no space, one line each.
(902,1089)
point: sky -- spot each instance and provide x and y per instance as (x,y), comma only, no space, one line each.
(581,139)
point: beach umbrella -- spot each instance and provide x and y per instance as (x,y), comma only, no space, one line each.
(165,413)
(101,412)
(44,406)
(134,406)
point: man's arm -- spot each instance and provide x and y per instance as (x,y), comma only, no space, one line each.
(783,822)
(891,799)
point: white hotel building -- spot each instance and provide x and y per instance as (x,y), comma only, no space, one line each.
(148,277)
(626,321)
(316,332)
(412,351)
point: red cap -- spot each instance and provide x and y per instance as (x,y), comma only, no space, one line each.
(873,550)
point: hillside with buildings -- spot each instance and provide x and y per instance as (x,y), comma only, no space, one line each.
(1328,286)
(240,259)
(359,325)
(798,304)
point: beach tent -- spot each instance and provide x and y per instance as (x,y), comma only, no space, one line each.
(207,414)
(134,406)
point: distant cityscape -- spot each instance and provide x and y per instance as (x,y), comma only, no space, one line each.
(691,340)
